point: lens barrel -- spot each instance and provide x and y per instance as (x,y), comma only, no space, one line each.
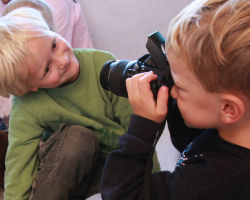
(113,77)
(105,75)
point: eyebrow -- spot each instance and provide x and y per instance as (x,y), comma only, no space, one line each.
(177,83)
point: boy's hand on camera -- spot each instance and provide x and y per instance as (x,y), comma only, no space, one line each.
(141,97)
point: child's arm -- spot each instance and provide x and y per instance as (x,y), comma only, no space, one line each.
(124,172)
(21,160)
(123,175)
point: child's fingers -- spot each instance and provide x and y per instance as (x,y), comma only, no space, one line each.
(139,84)
(142,100)
(162,103)
(139,93)
(145,80)
(146,77)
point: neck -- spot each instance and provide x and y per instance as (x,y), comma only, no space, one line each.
(238,134)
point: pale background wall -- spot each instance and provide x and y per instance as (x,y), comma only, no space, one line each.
(122,26)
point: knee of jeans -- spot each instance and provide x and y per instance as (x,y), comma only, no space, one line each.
(82,145)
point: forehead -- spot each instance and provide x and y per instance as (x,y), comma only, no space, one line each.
(177,63)
(181,72)
(35,36)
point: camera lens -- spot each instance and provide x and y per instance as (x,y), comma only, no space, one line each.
(112,77)
(105,74)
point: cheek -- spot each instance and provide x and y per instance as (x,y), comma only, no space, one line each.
(183,107)
(189,109)
(197,114)
(185,113)
(53,80)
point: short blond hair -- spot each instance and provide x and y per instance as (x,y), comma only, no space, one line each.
(16,29)
(40,5)
(213,38)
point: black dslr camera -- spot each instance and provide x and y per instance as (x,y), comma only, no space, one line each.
(114,73)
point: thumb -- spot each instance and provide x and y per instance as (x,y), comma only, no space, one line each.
(162,103)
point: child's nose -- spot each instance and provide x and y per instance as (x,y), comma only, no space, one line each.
(173,92)
(61,60)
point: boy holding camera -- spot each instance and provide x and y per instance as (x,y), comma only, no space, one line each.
(209,56)
(60,112)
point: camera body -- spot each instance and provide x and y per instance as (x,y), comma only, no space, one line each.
(114,73)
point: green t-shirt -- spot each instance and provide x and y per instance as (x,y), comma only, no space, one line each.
(83,102)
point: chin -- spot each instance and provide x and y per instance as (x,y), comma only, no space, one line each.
(193,125)
(188,125)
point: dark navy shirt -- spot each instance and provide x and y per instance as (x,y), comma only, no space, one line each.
(209,167)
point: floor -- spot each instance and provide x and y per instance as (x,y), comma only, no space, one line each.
(167,155)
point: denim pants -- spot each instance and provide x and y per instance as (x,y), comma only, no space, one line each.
(67,165)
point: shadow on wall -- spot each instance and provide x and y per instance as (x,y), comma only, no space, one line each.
(122,27)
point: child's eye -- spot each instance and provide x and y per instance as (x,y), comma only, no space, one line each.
(177,87)
(46,69)
(53,44)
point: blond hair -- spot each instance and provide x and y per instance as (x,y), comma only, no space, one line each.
(213,38)
(16,29)
(40,5)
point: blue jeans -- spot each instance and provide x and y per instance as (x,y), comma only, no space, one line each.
(67,165)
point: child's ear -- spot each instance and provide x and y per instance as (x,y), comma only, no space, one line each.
(232,108)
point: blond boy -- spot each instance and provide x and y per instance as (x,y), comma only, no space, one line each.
(208,49)
(57,92)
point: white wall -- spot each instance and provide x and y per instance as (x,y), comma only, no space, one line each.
(122,26)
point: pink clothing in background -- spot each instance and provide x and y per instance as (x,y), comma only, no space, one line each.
(71,23)
(2,6)
(5,106)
